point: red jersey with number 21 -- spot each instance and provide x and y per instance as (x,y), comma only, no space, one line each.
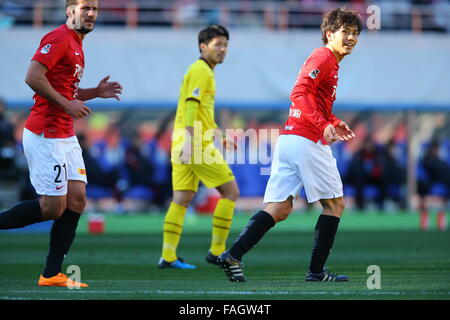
(313,96)
(61,52)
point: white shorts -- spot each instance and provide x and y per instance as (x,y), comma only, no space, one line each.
(52,162)
(298,162)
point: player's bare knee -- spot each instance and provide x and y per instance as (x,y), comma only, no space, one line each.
(229,191)
(236,194)
(281,215)
(77,204)
(232,195)
(342,204)
(183,198)
(51,212)
(339,206)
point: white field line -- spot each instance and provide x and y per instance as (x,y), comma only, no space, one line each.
(239,293)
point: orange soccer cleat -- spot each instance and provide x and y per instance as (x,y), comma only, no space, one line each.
(60,280)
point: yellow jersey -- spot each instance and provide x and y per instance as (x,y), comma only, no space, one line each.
(198,84)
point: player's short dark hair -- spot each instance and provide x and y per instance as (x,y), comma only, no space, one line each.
(337,18)
(210,32)
(71,3)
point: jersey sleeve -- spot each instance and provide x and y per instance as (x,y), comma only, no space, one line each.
(335,120)
(198,82)
(51,49)
(191,112)
(302,96)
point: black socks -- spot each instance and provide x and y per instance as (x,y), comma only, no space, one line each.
(326,229)
(258,225)
(22,214)
(61,238)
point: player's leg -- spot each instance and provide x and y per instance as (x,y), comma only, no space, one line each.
(214,172)
(22,214)
(63,230)
(185,185)
(62,234)
(325,232)
(173,228)
(258,225)
(28,212)
(283,185)
(222,219)
(255,230)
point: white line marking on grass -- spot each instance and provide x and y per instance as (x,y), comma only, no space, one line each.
(243,293)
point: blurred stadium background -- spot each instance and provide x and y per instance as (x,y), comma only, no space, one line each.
(393,91)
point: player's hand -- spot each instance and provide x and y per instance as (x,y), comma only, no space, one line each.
(229,144)
(330,135)
(76,109)
(186,152)
(107,89)
(344,131)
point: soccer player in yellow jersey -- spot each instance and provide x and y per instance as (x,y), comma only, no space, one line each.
(194,156)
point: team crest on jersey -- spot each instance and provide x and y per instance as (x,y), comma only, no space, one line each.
(45,49)
(313,74)
(196,92)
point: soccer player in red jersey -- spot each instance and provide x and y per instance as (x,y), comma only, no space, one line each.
(54,156)
(303,156)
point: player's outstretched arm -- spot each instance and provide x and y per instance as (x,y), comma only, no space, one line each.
(39,83)
(105,89)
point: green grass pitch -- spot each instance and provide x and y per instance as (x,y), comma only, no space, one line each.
(121,263)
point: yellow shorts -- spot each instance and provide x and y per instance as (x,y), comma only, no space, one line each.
(212,174)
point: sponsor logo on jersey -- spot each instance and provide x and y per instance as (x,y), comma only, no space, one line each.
(60,187)
(196,92)
(313,74)
(78,71)
(82,171)
(77,53)
(45,49)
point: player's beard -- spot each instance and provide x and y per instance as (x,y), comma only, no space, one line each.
(84,30)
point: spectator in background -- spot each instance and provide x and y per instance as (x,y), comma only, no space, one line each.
(159,156)
(436,169)
(8,171)
(97,175)
(139,169)
(394,174)
(366,168)
(139,175)
(104,177)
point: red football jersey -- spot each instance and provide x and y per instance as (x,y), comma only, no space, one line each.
(61,51)
(313,96)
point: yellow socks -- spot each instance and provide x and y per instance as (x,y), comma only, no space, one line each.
(222,219)
(173,227)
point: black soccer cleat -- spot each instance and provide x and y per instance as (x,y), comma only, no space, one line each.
(326,275)
(232,267)
(210,258)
